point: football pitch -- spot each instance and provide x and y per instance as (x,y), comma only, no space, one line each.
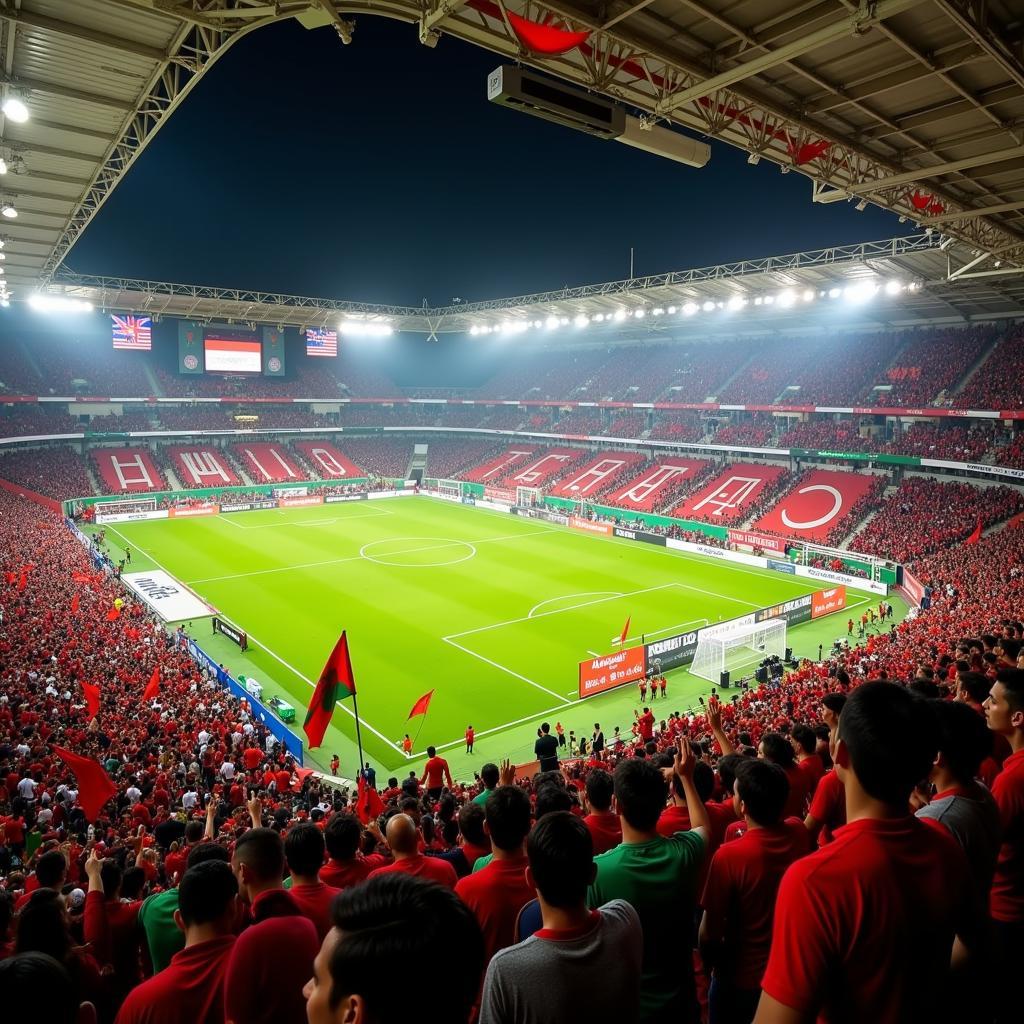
(491,611)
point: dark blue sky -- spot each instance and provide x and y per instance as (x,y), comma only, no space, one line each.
(379,172)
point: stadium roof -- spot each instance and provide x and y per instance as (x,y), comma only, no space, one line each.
(914,105)
(770,294)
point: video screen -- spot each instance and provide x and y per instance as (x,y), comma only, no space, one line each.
(232,355)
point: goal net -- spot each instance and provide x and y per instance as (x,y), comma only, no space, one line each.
(732,648)
(529,497)
(105,510)
(450,488)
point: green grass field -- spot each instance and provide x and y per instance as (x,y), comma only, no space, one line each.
(492,611)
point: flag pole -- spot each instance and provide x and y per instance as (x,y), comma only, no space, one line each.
(423,718)
(359,735)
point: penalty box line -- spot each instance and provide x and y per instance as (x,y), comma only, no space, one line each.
(291,668)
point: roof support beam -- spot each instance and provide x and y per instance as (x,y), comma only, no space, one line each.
(35,85)
(924,173)
(73,31)
(855,23)
(984,211)
(989,41)
(431,19)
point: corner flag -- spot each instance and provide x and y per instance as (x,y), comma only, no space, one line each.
(625,629)
(421,706)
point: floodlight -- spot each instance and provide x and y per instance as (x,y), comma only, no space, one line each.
(564,321)
(14,107)
(551,323)
(690,308)
(658,311)
(672,309)
(708,306)
(834,293)
(639,313)
(581,320)
(474,330)
(58,304)
(620,314)
(769,300)
(7,208)
(893,288)
(361,329)
(753,159)
(737,302)
(5,302)
(786,298)
(860,292)
(808,295)
(3,165)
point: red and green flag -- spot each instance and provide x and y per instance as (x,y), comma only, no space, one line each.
(336,682)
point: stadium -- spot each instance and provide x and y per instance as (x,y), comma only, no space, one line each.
(643,643)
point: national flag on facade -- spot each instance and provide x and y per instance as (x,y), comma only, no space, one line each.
(321,342)
(153,686)
(976,534)
(95,787)
(336,682)
(132,332)
(421,706)
(625,629)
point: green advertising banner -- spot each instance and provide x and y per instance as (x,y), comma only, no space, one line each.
(190,347)
(894,460)
(273,352)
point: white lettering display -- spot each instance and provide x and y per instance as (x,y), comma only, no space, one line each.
(136,463)
(596,475)
(730,495)
(204,464)
(534,473)
(658,477)
(513,455)
(328,462)
(288,471)
(837,500)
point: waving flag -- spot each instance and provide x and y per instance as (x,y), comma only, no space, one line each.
(336,682)
(976,534)
(625,629)
(95,787)
(368,802)
(132,332)
(92,697)
(421,706)
(153,686)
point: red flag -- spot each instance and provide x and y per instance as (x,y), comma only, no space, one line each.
(12,577)
(81,577)
(301,774)
(113,615)
(976,535)
(22,580)
(92,697)
(625,629)
(95,787)
(368,803)
(153,686)
(420,707)
(75,602)
(336,682)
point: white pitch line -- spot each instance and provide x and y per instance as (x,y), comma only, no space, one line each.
(508,725)
(594,654)
(504,668)
(582,593)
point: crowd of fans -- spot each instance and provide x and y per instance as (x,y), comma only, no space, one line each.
(380,456)
(819,844)
(755,431)
(683,427)
(994,384)
(925,515)
(55,472)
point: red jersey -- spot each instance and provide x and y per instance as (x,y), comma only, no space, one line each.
(496,894)
(812,767)
(1007,901)
(646,724)
(434,771)
(341,874)
(829,806)
(861,921)
(799,792)
(605,830)
(433,869)
(739,896)
(469,736)
(315,903)
(190,987)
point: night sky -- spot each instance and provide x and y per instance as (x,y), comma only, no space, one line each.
(379,172)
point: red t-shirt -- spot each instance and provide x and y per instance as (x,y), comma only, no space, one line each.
(434,773)
(315,903)
(829,806)
(799,792)
(1007,901)
(496,894)
(739,896)
(605,830)
(342,874)
(190,988)
(433,869)
(675,818)
(646,725)
(251,758)
(814,769)
(864,927)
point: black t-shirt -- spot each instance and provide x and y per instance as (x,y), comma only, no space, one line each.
(546,749)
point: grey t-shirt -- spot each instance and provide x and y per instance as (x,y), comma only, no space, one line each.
(973,819)
(587,977)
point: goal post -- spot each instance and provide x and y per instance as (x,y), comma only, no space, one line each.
(450,488)
(731,648)
(123,507)
(529,497)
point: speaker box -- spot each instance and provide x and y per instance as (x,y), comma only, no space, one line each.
(723,680)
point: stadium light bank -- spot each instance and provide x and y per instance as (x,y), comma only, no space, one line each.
(857,293)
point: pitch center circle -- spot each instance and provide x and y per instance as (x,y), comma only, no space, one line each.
(423,552)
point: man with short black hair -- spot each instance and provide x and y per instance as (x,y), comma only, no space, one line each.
(191,987)
(274,955)
(657,876)
(546,749)
(602,822)
(346,864)
(581,964)
(1004,712)
(739,896)
(304,853)
(805,744)
(489,775)
(391,922)
(861,922)
(497,892)
(436,774)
